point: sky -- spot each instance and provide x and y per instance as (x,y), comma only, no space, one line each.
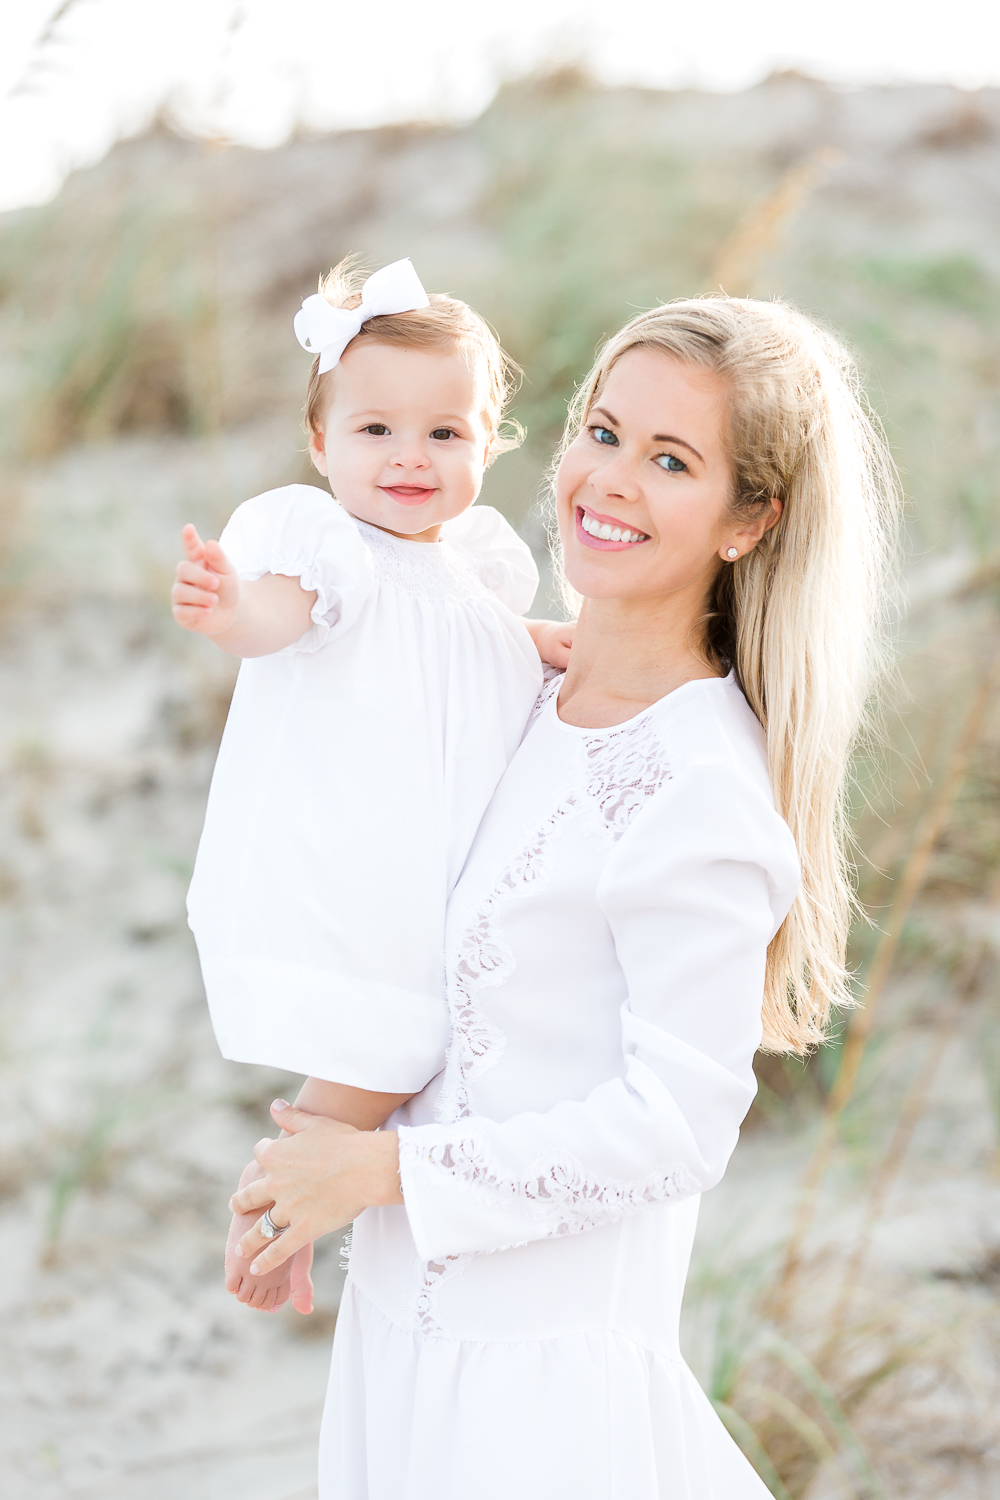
(77,74)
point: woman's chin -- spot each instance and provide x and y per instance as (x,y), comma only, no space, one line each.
(599,575)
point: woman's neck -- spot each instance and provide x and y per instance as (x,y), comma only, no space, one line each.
(627,654)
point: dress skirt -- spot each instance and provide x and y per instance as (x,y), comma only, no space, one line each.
(604,1410)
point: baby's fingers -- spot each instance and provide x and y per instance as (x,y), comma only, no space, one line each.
(198,574)
(183,596)
(194,547)
(217,559)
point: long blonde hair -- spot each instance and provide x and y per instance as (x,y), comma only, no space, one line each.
(802,619)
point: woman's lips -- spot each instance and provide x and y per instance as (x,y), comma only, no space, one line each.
(407,494)
(605,544)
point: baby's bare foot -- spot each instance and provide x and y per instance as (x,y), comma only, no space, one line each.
(266,1293)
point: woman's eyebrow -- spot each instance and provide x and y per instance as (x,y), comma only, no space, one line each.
(658,437)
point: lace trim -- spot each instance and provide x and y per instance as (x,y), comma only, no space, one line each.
(423,1318)
(434,570)
(550,687)
(484,961)
(623,768)
(558,1193)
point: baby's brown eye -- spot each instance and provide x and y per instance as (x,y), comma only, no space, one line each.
(441,434)
(377,429)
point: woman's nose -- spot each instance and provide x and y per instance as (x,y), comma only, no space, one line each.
(616,479)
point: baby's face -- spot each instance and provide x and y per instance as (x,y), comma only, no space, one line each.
(404,444)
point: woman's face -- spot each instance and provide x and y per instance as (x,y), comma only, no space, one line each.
(643,491)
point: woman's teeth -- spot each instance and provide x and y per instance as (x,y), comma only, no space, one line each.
(606,533)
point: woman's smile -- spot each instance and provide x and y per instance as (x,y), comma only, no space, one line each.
(605,532)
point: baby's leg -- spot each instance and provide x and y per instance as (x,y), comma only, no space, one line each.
(363,1109)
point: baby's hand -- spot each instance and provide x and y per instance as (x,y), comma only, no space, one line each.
(553,640)
(206,592)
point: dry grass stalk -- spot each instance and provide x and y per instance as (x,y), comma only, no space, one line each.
(859,1028)
(761,228)
(964,990)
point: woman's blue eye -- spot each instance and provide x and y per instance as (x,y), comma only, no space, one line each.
(442,433)
(605,435)
(377,429)
(671,464)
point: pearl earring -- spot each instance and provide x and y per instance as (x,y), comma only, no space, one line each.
(733,552)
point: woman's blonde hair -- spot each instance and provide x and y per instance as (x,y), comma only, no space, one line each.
(446,323)
(802,619)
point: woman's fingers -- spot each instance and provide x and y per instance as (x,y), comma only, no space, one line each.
(277,1251)
(253,1240)
(252,1198)
(289,1118)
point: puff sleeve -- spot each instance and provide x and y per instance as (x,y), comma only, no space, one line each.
(301,531)
(502,561)
(692,895)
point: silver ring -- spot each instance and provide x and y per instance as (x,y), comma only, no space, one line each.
(269,1229)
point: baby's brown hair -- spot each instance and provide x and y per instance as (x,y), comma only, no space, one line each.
(446,322)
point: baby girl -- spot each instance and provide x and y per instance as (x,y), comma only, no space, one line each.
(386,682)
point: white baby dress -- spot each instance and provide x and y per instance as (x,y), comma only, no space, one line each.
(353,773)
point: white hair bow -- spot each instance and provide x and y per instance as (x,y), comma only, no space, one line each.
(327,330)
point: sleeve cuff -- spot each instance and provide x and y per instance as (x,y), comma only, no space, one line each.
(332,1026)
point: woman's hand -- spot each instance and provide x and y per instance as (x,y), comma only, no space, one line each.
(317,1179)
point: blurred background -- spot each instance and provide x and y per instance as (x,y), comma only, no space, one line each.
(174,178)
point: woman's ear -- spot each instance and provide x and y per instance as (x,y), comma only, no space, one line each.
(771,516)
(317,452)
(738,543)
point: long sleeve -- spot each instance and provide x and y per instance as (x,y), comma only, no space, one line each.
(301,531)
(692,894)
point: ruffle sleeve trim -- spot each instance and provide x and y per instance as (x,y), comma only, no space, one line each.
(301,532)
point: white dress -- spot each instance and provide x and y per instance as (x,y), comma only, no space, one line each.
(353,772)
(513,1330)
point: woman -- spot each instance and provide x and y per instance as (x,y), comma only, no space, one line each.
(631,922)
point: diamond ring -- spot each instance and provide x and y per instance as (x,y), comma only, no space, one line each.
(269,1229)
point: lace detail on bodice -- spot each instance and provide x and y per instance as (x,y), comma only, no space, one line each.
(483,961)
(423,1318)
(621,768)
(558,1192)
(550,687)
(434,570)
(625,766)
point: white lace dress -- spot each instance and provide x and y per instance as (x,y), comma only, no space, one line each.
(351,779)
(512,1331)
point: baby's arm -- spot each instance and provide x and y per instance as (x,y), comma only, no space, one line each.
(363,1109)
(245,619)
(553,640)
